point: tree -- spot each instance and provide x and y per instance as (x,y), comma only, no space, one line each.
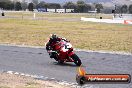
(124,9)
(30,6)
(9,6)
(98,7)
(24,5)
(42,4)
(4,0)
(69,5)
(35,2)
(118,8)
(130,9)
(82,7)
(6,4)
(87,7)
(18,6)
(54,5)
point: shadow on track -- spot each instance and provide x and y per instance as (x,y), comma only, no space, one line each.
(65,64)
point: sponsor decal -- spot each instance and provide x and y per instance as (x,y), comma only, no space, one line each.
(82,77)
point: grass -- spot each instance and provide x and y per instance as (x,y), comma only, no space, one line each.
(31,85)
(4,87)
(57,15)
(84,35)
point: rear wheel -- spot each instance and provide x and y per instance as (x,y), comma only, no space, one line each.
(76,59)
(80,80)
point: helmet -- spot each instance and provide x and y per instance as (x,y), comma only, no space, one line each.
(54,36)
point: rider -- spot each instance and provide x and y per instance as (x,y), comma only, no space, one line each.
(53,39)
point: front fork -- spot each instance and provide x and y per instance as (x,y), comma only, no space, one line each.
(70,53)
(53,54)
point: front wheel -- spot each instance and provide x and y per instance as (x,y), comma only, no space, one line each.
(76,59)
(60,62)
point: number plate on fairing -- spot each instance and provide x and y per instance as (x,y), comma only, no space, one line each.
(66,47)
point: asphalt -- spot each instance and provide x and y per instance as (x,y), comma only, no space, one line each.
(36,61)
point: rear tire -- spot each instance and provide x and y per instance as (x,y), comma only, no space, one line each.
(80,80)
(76,59)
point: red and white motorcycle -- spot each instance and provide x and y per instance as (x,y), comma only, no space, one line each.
(63,52)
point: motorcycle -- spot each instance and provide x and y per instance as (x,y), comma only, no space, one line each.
(62,51)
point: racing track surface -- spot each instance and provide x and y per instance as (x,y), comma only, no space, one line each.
(36,61)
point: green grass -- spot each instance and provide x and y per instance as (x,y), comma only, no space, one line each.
(84,35)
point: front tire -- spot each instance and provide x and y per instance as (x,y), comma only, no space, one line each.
(60,62)
(76,59)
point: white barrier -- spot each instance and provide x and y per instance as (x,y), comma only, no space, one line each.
(107,20)
(60,10)
(50,10)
